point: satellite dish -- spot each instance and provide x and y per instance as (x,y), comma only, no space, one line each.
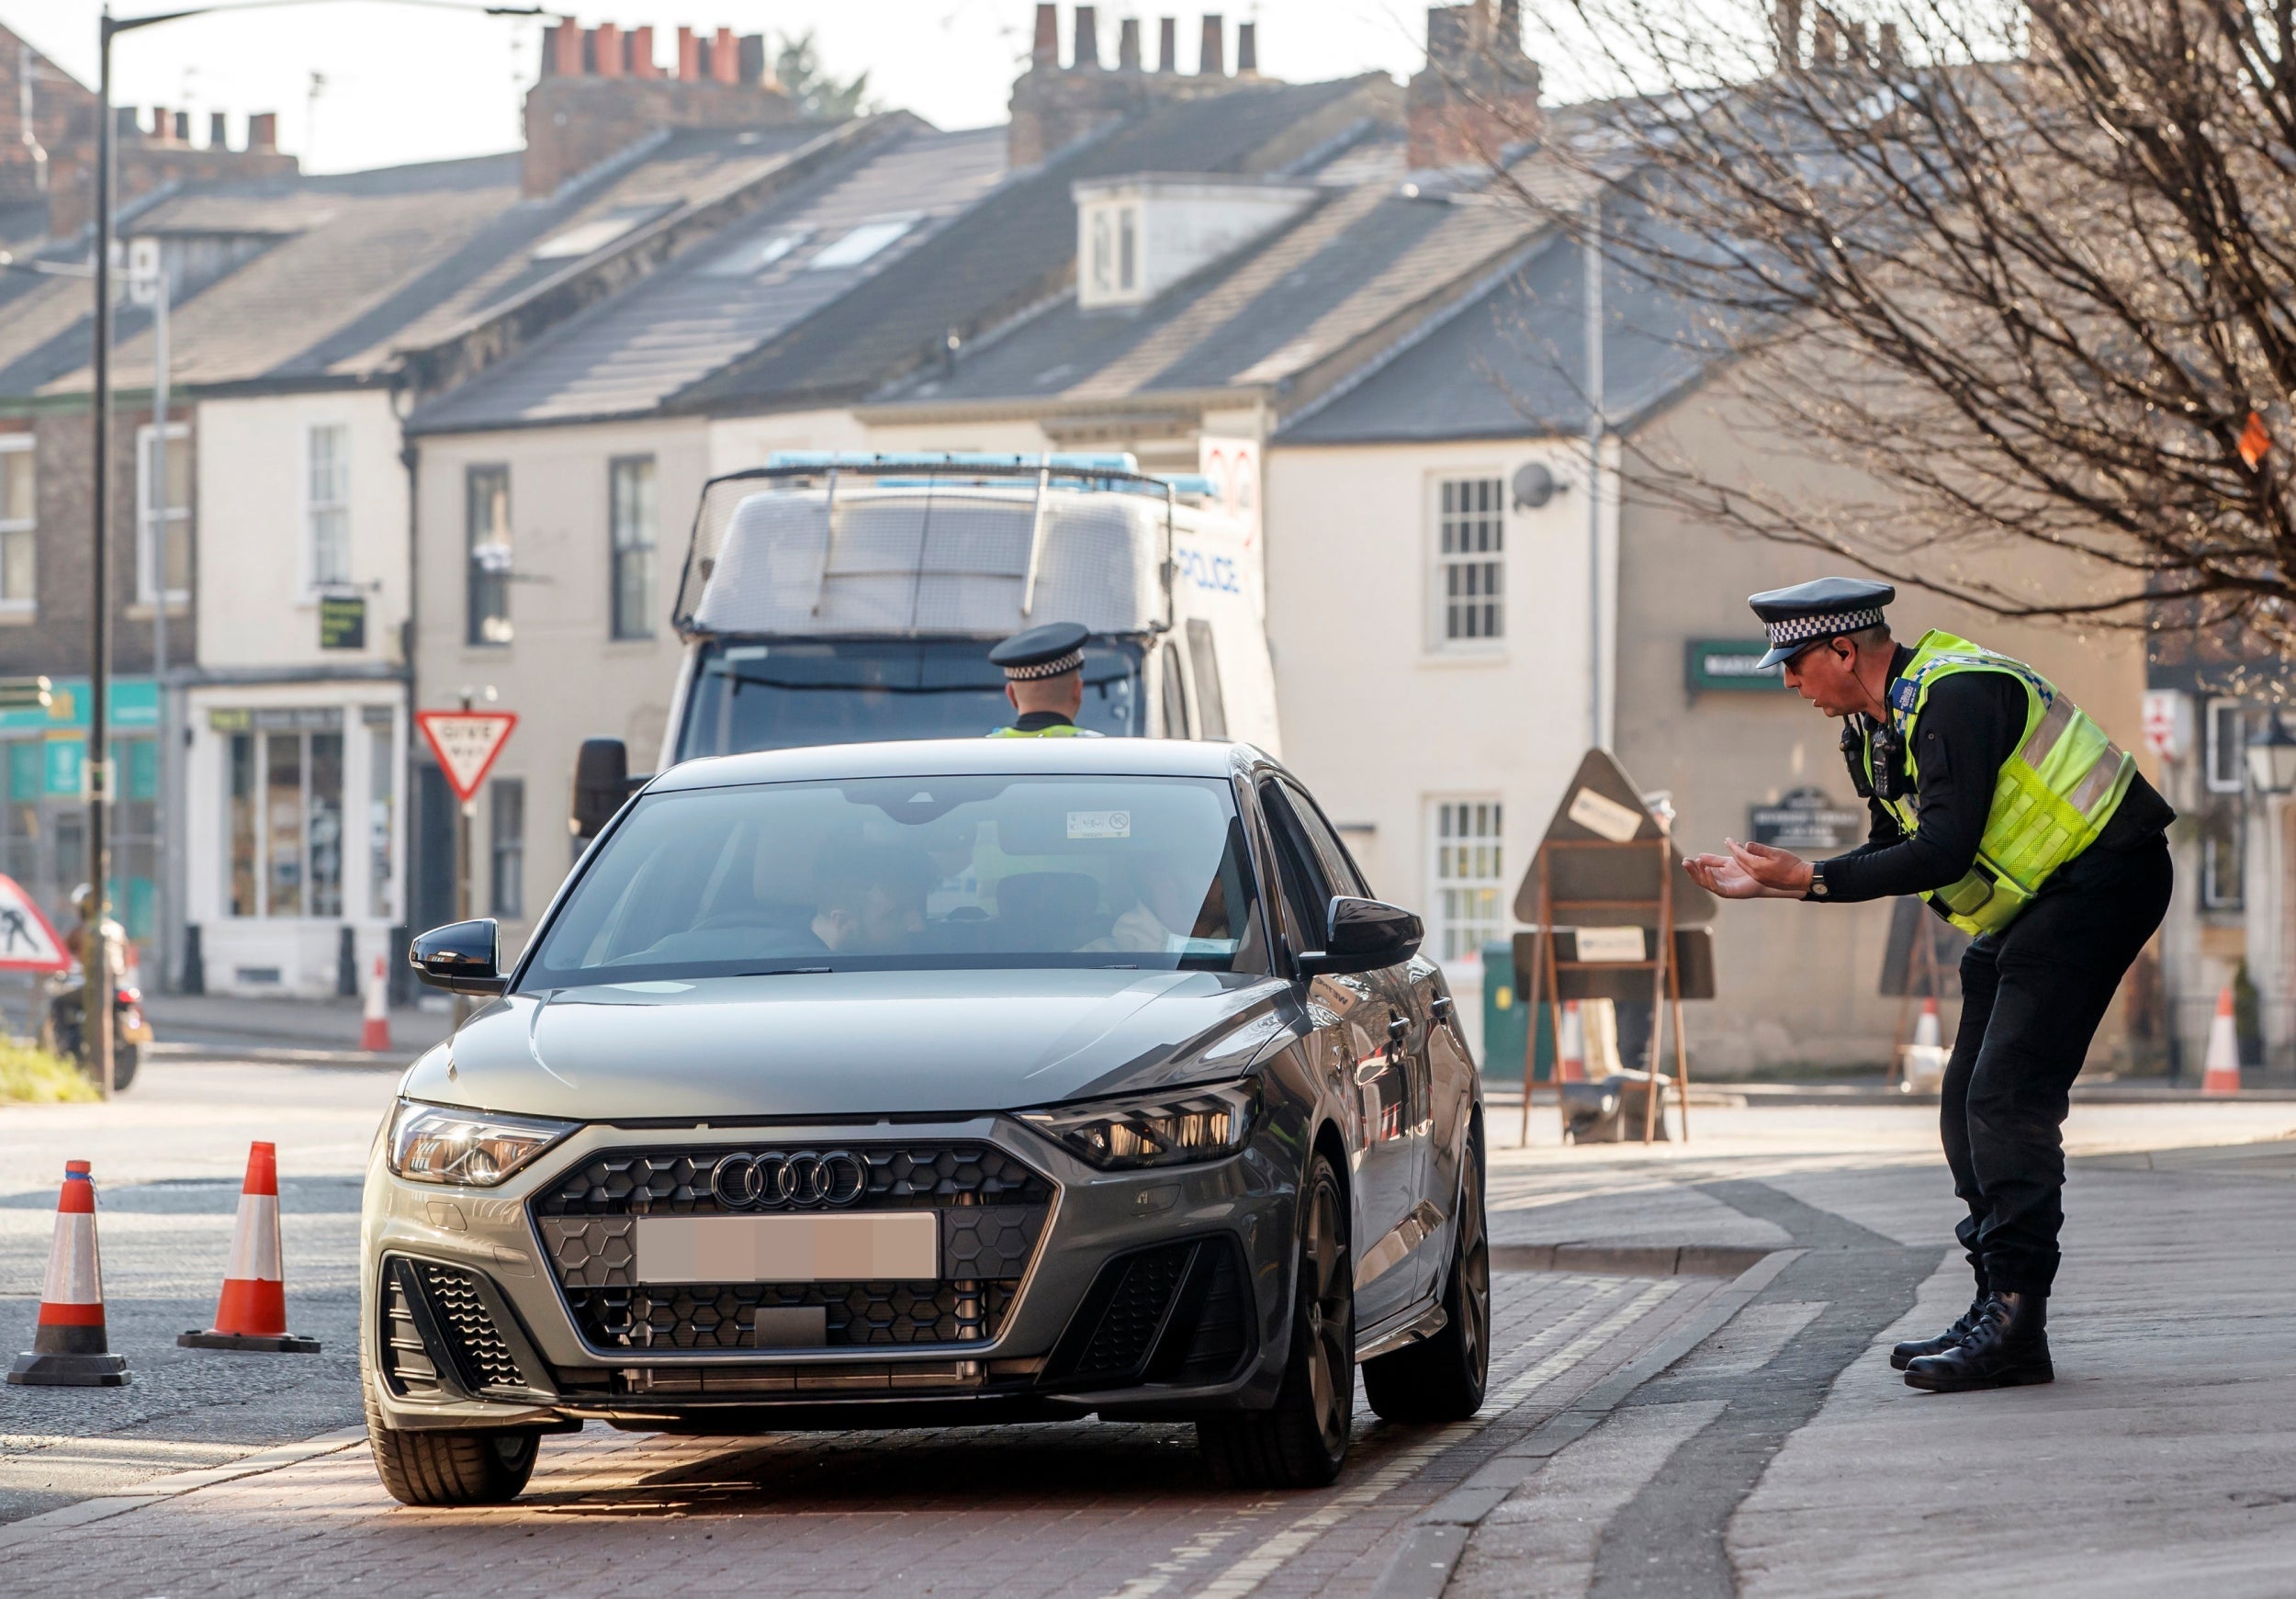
(1534,485)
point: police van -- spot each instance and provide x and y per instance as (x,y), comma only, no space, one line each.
(834,597)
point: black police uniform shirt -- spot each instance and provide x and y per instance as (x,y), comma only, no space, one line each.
(1971,725)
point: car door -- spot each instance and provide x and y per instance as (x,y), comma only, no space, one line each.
(1377,1066)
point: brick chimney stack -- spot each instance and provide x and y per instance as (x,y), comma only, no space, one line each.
(1478,92)
(1053,107)
(602,91)
(1211,54)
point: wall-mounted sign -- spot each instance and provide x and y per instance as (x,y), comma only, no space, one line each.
(342,622)
(1729,666)
(1805,819)
(276,719)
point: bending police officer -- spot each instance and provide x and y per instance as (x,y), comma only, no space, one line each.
(1045,679)
(2000,802)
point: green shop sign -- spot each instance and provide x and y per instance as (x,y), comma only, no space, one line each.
(135,706)
(1729,666)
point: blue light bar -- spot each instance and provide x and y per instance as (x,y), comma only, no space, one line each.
(1058,461)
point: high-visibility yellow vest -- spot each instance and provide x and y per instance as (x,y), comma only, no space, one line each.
(1059,730)
(2051,799)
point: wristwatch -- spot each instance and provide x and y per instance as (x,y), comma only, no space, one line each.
(1817,880)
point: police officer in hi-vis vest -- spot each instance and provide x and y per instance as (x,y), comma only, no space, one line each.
(1995,799)
(1045,679)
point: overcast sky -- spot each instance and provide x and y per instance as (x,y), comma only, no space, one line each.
(396,84)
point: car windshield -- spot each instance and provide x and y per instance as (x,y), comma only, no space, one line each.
(911,873)
(760,696)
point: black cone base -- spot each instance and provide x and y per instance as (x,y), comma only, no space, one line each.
(70,1371)
(284,1344)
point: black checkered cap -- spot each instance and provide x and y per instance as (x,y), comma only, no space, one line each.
(1827,608)
(1041,652)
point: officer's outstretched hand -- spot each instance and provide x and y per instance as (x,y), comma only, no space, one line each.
(1751,872)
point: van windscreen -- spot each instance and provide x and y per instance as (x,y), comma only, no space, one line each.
(781,696)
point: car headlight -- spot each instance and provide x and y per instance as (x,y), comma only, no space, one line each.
(1176,1127)
(437,1144)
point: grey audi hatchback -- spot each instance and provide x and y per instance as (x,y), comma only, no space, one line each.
(933,1083)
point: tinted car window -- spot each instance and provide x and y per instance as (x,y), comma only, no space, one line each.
(904,874)
(1307,890)
(1339,867)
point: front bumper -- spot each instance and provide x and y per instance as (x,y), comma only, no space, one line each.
(1131,1293)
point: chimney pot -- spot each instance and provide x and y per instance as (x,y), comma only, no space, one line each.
(756,71)
(1046,50)
(1825,40)
(608,51)
(1212,56)
(639,51)
(563,53)
(1087,46)
(1168,44)
(125,127)
(1785,20)
(217,138)
(1891,52)
(1247,48)
(159,125)
(726,57)
(1128,45)
(183,128)
(262,131)
(689,56)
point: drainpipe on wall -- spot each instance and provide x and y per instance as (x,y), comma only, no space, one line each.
(409,457)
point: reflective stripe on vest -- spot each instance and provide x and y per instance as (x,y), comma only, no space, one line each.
(1064,731)
(2051,798)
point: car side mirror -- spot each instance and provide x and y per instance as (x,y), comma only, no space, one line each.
(602,783)
(1363,935)
(463,957)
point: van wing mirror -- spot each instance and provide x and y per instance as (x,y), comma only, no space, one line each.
(463,957)
(602,783)
(1363,935)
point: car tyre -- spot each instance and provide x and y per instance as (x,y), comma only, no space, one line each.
(1301,1440)
(1442,1379)
(439,1470)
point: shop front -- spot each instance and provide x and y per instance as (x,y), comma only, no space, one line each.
(295,837)
(43,761)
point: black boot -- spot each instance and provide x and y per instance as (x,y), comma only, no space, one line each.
(2008,1348)
(1905,1354)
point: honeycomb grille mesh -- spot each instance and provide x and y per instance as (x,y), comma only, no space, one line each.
(992,1210)
(1129,1325)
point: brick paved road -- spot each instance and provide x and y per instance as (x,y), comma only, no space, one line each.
(1084,1509)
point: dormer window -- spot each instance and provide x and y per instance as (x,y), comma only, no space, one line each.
(1138,236)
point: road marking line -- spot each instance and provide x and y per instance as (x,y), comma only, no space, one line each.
(1256,1568)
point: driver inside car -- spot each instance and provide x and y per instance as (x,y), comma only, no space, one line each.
(870,902)
(1170,913)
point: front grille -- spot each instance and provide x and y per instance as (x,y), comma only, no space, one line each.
(991,1210)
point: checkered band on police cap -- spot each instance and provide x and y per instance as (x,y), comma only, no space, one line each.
(1072,661)
(1799,629)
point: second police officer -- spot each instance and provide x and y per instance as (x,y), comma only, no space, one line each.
(1045,679)
(1995,798)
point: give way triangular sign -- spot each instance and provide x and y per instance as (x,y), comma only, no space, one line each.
(28,941)
(466,743)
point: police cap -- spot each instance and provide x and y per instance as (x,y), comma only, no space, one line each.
(1041,652)
(1808,612)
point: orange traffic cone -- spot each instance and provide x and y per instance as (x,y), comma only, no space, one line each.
(252,1314)
(70,1350)
(1570,1049)
(374,1034)
(2223,1073)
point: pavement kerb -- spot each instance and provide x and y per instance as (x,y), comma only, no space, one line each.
(176,1485)
(1422,1568)
(1630,1259)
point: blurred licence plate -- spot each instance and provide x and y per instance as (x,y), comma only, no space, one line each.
(902,1247)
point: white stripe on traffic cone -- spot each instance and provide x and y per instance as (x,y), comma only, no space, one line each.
(374,1034)
(1570,1051)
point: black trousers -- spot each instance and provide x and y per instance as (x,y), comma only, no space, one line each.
(2031,997)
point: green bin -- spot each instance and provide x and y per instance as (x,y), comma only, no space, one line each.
(1507,1021)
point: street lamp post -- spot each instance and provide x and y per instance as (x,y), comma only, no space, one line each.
(2272,758)
(95,995)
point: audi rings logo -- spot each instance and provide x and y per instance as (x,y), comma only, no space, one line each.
(808,1179)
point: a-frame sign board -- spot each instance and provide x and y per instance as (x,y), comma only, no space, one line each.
(1607,861)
